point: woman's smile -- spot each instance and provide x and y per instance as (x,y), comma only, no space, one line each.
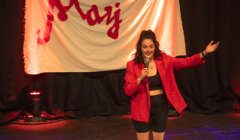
(148,48)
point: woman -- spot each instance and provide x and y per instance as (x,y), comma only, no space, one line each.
(151,84)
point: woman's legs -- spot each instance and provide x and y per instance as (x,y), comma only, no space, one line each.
(157,121)
(142,130)
(159,116)
(146,135)
(143,136)
(158,136)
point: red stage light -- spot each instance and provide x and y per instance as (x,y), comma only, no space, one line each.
(36,113)
(128,117)
(234,115)
(35,93)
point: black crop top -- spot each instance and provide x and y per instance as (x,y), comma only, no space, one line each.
(155,82)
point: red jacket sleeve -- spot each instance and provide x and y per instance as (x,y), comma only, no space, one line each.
(181,63)
(130,87)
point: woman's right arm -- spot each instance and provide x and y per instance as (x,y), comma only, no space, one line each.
(139,80)
(131,80)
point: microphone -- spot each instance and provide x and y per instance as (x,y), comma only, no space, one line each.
(147,62)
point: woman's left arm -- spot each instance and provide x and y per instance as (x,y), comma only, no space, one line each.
(181,63)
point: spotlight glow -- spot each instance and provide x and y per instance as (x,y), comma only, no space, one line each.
(35,93)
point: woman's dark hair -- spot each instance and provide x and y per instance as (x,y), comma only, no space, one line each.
(138,57)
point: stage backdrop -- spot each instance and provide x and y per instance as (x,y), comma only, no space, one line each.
(91,36)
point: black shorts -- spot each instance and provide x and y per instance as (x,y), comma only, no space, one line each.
(158,116)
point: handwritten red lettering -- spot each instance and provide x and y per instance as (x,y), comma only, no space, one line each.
(62,15)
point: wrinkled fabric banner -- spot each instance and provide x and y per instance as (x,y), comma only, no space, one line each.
(90,36)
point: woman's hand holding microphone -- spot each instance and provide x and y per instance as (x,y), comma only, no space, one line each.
(143,74)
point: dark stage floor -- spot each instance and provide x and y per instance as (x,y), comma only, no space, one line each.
(188,126)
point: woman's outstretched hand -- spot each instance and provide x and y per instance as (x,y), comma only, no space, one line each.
(211,47)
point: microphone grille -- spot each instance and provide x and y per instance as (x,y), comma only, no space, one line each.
(147,62)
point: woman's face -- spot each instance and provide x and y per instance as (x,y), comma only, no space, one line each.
(148,48)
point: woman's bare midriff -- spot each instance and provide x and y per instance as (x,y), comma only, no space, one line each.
(156,92)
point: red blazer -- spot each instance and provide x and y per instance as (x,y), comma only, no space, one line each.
(165,65)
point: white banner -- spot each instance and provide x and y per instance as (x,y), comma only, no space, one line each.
(94,35)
